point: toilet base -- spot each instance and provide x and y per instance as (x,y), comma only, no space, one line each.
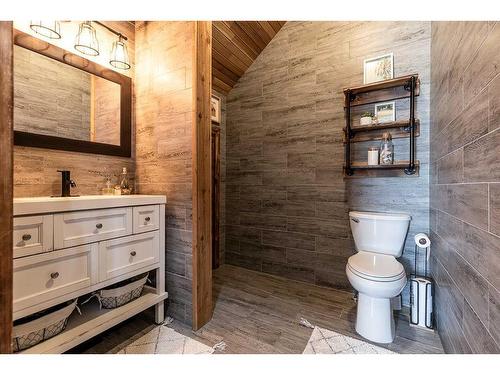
(374,319)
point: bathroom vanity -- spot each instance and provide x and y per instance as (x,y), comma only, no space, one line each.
(68,247)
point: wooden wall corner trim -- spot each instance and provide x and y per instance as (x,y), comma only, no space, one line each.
(202,182)
(6,181)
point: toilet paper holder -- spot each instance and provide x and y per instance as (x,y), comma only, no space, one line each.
(422,287)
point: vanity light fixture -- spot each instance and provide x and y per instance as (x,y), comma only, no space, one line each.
(48,29)
(119,54)
(86,40)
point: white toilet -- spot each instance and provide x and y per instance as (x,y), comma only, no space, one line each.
(374,271)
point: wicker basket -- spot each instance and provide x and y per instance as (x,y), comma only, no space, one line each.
(41,326)
(121,295)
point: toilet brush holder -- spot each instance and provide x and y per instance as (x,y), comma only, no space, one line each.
(421,290)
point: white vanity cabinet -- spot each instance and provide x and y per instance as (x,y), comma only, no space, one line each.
(65,248)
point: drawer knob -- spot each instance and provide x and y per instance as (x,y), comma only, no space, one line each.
(54,275)
(147,219)
(98,226)
(133,253)
(26,237)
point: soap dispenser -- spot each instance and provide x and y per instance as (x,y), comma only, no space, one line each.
(124,183)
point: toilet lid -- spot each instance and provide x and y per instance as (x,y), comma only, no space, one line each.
(377,266)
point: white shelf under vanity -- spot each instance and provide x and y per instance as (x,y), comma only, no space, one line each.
(65,248)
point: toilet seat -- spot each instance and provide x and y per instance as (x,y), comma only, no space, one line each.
(376,267)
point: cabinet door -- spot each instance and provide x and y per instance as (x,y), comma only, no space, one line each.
(32,235)
(81,227)
(123,255)
(146,218)
(42,277)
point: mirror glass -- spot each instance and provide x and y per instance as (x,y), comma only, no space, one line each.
(56,99)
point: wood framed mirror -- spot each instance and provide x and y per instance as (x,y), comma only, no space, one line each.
(65,102)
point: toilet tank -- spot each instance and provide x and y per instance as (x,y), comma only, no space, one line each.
(379,232)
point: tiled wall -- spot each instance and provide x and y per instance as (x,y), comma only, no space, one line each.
(35,169)
(465,184)
(287,202)
(164,113)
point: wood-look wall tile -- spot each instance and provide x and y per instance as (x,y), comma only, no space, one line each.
(467,202)
(243,233)
(477,335)
(482,159)
(299,116)
(450,295)
(452,335)
(482,250)
(179,288)
(243,261)
(472,285)
(495,208)
(494,314)
(451,168)
(494,104)
(176,263)
(484,66)
(176,216)
(451,230)
(316,193)
(288,240)
(300,208)
(317,226)
(263,221)
(179,240)
(277,193)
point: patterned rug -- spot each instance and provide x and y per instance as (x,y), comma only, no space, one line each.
(323,341)
(164,340)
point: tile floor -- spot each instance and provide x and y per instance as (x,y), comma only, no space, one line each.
(260,313)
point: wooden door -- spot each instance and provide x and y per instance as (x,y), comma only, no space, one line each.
(215,196)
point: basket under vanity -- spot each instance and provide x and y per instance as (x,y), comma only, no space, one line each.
(65,248)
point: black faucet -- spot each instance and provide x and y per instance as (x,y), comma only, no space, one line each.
(66,183)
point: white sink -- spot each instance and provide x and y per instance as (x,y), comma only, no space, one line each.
(39,205)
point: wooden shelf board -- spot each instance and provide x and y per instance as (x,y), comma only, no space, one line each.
(387,125)
(376,132)
(362,169)
(94,321)
(396,165)
(392,89)
(381,85)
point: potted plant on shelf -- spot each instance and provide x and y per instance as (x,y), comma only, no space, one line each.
(366,118)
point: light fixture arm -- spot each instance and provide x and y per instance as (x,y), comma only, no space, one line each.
(120,35)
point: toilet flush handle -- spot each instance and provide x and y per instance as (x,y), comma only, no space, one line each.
(355,220)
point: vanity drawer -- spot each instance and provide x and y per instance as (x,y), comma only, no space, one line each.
(146,218)
(32,235)
(42,277)
(77,228)
(123,255)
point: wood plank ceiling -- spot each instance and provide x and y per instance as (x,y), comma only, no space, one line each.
(235,46)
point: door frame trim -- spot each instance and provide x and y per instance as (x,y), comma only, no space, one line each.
(6,184)
(202,179)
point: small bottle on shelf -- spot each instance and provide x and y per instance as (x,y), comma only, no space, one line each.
(108,190)
(387,149)
(124,183)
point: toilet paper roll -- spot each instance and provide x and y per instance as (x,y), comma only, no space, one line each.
(422,241)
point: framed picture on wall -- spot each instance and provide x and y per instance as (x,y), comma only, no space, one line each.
(378,68)
(385,112)
(215,109)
